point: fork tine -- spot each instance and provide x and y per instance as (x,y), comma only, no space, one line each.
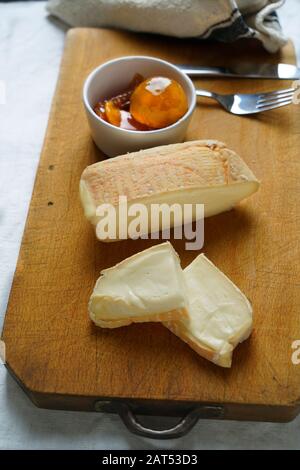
(273,106)
(267,98)
(276,92)
(262,104)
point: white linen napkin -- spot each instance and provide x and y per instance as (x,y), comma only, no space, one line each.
(223,20)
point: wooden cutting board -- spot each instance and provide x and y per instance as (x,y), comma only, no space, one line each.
(57,355)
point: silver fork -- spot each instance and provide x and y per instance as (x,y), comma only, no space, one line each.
(251,103)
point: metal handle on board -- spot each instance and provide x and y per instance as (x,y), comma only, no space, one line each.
(179,430)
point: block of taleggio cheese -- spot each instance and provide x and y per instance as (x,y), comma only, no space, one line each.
(197,172)
(220,316)
(148,286)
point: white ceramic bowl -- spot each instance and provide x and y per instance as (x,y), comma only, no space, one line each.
(113,76)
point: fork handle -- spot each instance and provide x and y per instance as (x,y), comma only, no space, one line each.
(206,94)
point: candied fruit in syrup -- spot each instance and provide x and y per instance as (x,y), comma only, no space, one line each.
(158,102)
(113,113)
(145,105)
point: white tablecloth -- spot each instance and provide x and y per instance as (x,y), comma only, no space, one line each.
(30,52)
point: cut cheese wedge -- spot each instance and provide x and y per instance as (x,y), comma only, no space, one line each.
(198,172)
(148,286)
(220,316)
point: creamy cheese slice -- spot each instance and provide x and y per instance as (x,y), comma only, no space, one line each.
(197,172)
(220,316)
(148,286)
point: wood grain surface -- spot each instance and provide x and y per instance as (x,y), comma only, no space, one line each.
(53,349)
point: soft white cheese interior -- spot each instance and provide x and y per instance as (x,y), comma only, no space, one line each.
(220,316)
(148,283)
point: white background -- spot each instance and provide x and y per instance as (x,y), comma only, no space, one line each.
(30,53)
